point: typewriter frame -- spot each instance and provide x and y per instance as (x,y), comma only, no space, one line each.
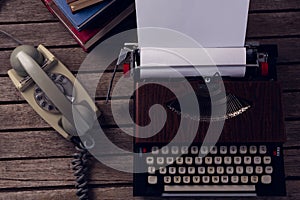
(269,132)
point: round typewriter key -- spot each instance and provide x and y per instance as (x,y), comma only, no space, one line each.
(162,170)
(269,170)
(266,179)
(263,149)
(244,179)
(229,170)
(151,170)
(253,149)
(233,150)
(227,160)
(205,179)
(181,170)
(196,179)
(258,169)
(243,149)
(191,170)
(267,160)
(223,149)
(177,179)
(254,179)
(152,180)
(234,179)
(247,160)
(167,179)
(224,179)
(186,179)
(215,179)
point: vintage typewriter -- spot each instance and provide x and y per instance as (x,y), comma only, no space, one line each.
(247,159)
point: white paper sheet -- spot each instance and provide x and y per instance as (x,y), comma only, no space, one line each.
(159,62)
(212,23)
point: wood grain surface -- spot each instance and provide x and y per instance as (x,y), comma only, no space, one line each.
(35,160)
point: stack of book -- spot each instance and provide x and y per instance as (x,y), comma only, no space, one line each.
(92,19)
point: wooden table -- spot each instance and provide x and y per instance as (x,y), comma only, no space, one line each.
(35,160)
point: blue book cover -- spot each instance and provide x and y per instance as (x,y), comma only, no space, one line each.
(85,16)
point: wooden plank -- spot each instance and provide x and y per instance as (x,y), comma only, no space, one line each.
(291,106)
(271,24)
(49,34)
(121,193)
(54,172)
(289,51)
(289,76)
(17,11)
(58,171)
(271,5)
(22,116)
(94,85)
(267,24)
(13,11)
(292,131)
(40,144)
(291,162)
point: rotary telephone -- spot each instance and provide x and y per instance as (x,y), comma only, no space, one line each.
(53,92)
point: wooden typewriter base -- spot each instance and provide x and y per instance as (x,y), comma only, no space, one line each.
(263,122)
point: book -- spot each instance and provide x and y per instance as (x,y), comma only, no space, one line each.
(89,37)
(85,17)
(77,5)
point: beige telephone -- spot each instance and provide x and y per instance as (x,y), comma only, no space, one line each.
(52,90)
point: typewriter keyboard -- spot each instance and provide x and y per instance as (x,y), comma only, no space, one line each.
(211,169)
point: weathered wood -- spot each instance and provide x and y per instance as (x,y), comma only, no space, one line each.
(121,193)
(66,55)
(291,105)
(271,24)
(260,25)
(18,11)
(58,171)
(54,172)
(96,86)
(39,144)
(289,76)
(21,10)
(74,62)
(43,144)
(49,34)
(271,5)
(291,162)
(292,130)
(23,116)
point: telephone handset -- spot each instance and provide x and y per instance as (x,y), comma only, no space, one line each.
(52,90)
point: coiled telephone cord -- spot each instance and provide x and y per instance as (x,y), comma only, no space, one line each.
(80,167)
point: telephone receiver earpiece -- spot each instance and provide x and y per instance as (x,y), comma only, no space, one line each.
(29,50)
(49,88)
